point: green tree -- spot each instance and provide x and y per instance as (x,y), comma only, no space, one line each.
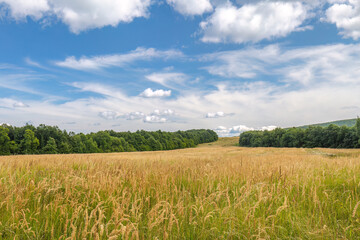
(79,143)
(357,127)
(14,148)
(154,144)
(30,143)
(64,147)
(50,139)
(4,141)
(91,146)
(50,147)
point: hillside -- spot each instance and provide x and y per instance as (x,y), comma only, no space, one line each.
(346,122)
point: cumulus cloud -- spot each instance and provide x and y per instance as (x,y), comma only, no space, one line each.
(157,116)
(109,115)
(253,22)
(154,119)
(221,131)
(134,116)
(268,128)
(149,93)
(191,7)
(116,60)
(80,15)
(346,15)
(233,131)
(240,129)
(20,9)
(215,115)
(166,112)
(237,130)
(218,115)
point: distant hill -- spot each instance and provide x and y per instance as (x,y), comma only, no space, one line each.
(347,122)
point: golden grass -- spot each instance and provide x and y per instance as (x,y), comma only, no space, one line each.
(215,191)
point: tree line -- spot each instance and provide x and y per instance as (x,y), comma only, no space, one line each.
(51,140)
(332,136)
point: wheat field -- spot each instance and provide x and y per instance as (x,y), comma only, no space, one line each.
(214,191)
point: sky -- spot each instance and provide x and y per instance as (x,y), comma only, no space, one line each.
(229,66)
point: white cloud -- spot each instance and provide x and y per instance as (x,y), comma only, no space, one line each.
(216,115)
(237,130)
(149,93)
(306,66)
(99,89)
(154,119)
(191,7)
(346,15)
(20,105)
(156,116)
(240,129)
(244,63)
(253,22)
(20,9)
(268,128)
(80,15)
(221,128)
(30,62)
(222,131)
(167,112)
(233,131)
(168,80)
(134,116)
(11,103)
(116,60)
(109,115)
(21,82)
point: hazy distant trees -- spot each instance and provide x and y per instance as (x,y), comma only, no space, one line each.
(50,140)
(314,136)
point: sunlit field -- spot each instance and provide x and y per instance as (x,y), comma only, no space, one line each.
(214,191)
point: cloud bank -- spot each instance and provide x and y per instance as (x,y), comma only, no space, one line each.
(253,22)
(80,15)
(191,7)
(346,15)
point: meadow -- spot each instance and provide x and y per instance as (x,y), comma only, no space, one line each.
(214,191)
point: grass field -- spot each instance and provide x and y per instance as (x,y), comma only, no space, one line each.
(214,191)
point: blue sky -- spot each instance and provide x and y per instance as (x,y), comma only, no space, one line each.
(178,64)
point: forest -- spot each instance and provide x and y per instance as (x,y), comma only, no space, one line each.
(52,140)
(332,136)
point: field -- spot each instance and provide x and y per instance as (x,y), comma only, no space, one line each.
(214,191)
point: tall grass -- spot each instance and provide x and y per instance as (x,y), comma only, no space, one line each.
(210,192)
